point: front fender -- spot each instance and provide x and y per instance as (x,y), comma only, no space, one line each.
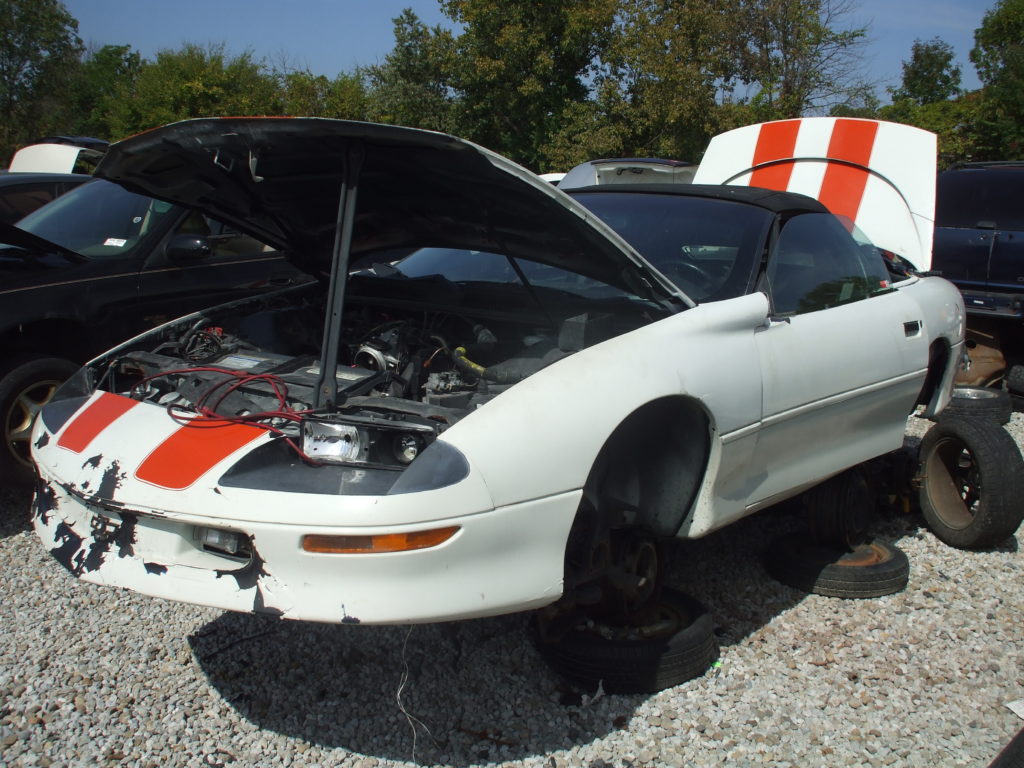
(543,435)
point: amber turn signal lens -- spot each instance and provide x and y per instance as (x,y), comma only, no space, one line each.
(374,545)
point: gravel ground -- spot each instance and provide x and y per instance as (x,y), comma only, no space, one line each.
(91,676)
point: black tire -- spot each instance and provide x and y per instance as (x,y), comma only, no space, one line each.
(1012,755)
(972,483)
(26,384)
(676,645)
(838,510)
(870,570)
(1015,379)
(979,403)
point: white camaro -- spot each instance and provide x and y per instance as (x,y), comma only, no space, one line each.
(518,401)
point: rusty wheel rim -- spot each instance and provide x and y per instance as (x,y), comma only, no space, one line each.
(865,555)
(954,482)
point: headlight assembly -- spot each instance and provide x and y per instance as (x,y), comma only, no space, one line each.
(364,441)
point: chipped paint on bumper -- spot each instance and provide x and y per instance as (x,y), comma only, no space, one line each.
(504,560)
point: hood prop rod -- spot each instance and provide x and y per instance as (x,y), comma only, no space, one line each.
(326,397)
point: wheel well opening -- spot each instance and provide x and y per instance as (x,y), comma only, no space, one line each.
(938,359)
(646,476)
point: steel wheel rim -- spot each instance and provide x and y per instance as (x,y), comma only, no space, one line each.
(865,555)
(659,619)
(954,482)
(21,416)
(975,394)
(643,563)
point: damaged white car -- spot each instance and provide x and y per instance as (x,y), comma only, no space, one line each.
(489,401)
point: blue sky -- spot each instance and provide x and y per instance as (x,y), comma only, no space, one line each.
(332,36)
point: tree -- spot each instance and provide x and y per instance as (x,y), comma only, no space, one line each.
(663,71)
(348,98)
(930,97)
(930,76)
(863,104)
(96,83)
(300,92)
(998,54)
(520,64)
(953,121)
(192,82)
(672,74)
(414,84)
(798,57)
(39,48)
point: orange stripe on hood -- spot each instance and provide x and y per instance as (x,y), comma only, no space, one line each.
(842,189)
(775,141)
(192,451)
(93,419)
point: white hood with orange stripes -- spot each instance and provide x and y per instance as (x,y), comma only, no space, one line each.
(879,176)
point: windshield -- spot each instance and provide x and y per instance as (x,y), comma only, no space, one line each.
(709,248)
(465,266)
(98,219)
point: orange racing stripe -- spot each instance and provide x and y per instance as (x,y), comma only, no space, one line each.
(842,189)
(775,141)
(96,417)
(192,451)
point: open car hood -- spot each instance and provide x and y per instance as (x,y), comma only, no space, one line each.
(279,180)
(880,176)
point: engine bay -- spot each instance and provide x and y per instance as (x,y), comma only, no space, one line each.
(408,366)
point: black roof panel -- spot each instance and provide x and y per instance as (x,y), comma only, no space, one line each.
(769,199)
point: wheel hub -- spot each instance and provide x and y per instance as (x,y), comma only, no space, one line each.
(632,577)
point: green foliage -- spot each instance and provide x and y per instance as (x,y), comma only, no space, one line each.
(998,54)
(663,73)
(953,121)
(519,65)
(97,83)
(39,47)
(301,93)
(414,84)
(193,81)
(798,57)
(584,133)
(861,102)
(550,84)
(930,76)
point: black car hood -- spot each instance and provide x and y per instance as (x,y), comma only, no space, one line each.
(33,244)
(279,180)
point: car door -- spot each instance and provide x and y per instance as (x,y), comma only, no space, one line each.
(842,358)
(1004,188)
(202,263)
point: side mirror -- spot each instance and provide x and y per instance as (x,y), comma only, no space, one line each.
(185,249)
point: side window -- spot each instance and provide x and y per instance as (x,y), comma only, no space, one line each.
(816,265)
(973,198)
(226,242)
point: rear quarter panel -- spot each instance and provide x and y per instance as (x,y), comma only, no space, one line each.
(941,307)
